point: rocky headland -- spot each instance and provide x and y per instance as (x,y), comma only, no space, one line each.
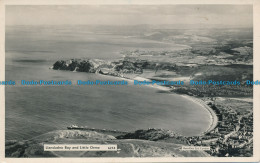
(113,68)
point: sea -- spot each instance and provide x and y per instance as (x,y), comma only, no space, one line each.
(34,110)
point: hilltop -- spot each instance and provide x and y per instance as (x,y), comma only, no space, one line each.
(142,143)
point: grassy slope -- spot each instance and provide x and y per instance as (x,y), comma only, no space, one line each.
(129,147)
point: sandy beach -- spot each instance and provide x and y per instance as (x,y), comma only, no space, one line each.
(212,114)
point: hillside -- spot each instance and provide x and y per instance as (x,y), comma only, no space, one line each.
(128,147)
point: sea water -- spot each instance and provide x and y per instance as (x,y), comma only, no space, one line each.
(34,110)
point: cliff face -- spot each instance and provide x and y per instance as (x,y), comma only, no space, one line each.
(75,65)
(116,68)
(129,146)
(100,66)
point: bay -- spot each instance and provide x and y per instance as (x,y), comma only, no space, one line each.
(34,110)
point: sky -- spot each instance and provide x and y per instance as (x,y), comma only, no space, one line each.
(226,15)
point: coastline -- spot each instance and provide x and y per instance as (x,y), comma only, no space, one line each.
(212,114)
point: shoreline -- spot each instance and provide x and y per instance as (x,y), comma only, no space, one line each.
(212,114)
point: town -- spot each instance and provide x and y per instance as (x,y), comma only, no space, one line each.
(233,134)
